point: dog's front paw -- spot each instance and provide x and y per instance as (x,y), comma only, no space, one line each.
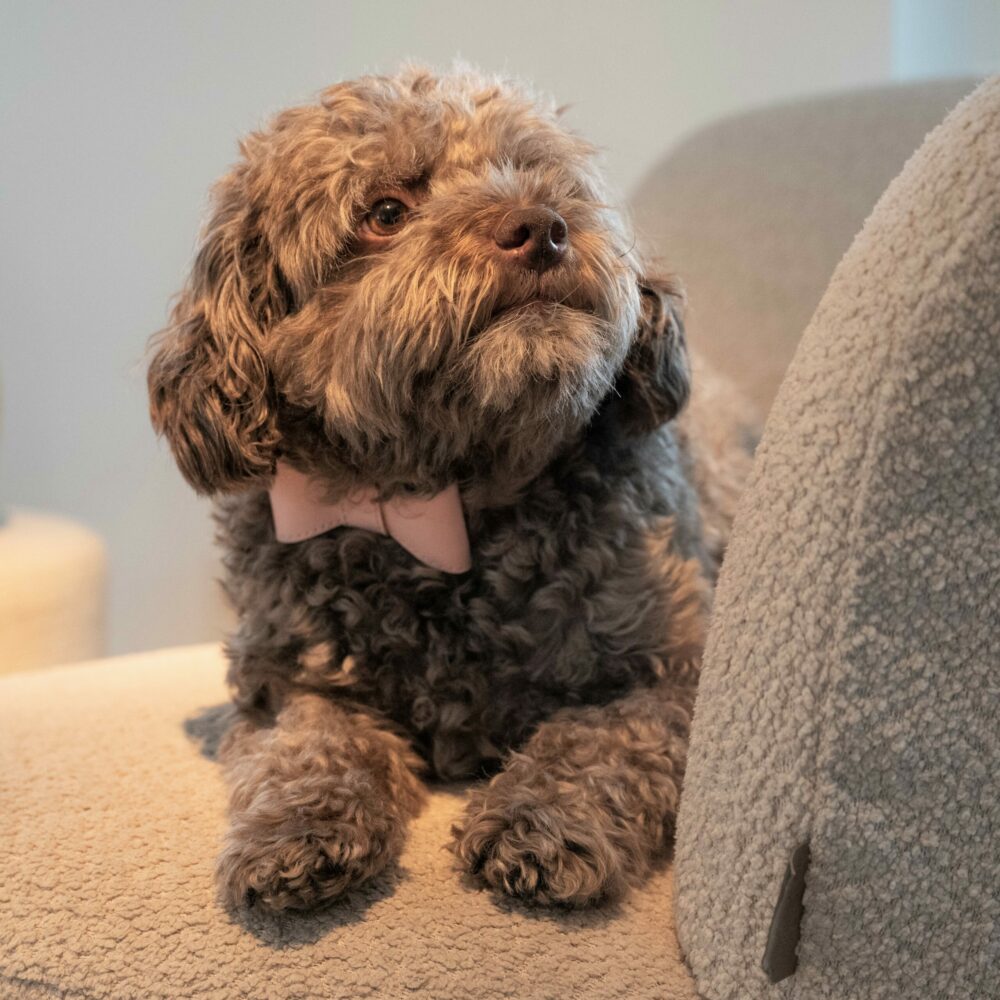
(283,868)
(540,844)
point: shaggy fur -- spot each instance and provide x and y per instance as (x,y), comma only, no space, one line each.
(565,661)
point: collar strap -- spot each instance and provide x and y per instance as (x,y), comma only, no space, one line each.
(430,528)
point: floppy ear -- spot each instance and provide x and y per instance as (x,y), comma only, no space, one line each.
(655,380)
(210,392)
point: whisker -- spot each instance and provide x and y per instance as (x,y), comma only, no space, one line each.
(630,249)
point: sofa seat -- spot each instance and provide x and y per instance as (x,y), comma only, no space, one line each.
(111,813)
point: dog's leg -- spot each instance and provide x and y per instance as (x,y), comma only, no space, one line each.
(319,802)
(586,805)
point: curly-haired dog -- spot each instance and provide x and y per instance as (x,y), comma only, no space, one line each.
(412,292)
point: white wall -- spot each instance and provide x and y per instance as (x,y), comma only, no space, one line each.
(115,117)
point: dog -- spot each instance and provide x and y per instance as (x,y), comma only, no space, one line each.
(469,533)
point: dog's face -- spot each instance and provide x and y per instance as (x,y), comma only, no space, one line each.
(416,281)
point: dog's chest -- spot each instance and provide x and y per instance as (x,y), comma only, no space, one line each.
(568,602)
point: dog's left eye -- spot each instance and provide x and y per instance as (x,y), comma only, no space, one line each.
(386,216)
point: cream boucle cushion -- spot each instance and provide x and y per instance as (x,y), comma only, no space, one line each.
(110,819)
(850,695)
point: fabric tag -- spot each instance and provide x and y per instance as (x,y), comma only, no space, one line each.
(780,958)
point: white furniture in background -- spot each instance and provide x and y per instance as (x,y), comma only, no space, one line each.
(53,582)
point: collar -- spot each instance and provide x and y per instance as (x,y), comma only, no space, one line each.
(430,528)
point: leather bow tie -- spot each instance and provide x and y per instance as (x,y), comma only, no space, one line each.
(430,528)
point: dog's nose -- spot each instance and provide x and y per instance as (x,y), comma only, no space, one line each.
(535,238)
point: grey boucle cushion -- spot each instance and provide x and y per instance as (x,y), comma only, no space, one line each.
(851,688)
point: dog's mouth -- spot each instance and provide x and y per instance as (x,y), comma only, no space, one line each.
(529,312)
(530,307)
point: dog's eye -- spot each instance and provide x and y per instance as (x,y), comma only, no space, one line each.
(386,216)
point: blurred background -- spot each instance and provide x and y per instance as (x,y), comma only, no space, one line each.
(116,117)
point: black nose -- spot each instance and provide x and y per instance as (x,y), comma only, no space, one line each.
(535,238)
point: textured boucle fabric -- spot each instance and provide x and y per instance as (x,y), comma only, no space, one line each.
(755,210)
(851,689)
(111,812)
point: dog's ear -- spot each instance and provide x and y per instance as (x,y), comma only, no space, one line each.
(210,391)
(655,380)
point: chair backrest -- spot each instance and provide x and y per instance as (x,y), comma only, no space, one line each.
(850,697)
(755,211)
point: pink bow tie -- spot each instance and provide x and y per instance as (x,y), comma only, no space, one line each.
(432,529)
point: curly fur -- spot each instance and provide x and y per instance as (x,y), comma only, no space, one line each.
(566,659)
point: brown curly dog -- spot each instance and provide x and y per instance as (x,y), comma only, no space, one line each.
(415,289)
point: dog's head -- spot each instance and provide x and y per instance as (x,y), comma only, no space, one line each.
(417,280)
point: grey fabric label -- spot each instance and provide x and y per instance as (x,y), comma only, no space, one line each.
(780,958)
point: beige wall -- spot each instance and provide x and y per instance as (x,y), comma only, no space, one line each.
(116,117)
